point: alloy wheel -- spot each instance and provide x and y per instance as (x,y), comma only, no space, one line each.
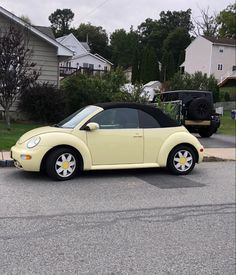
(183,160)
(65,165)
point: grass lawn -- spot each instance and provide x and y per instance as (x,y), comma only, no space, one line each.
(228,125)
(9,138)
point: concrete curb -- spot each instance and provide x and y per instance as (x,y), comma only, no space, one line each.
(215,159)
(6,163)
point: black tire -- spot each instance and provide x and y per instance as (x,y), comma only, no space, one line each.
(62,164)
(207,132)
(200,108)
(179,166)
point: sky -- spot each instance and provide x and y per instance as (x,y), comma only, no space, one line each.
(109,14)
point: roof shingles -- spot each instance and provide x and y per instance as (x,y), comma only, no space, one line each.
(225,41)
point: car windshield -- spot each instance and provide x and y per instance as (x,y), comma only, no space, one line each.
(73,120)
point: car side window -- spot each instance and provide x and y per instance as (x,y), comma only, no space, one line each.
(105,119)
(117,118)
(147,121)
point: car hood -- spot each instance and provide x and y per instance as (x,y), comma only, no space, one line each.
(41,131)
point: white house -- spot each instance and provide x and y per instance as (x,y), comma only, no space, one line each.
(73,44)
(82,57)
(211,55)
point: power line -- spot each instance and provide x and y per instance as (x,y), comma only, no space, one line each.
(96,8)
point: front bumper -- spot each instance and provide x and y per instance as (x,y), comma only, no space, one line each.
(18,152)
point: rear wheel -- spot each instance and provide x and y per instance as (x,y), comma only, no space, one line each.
(62,164)
(181,160)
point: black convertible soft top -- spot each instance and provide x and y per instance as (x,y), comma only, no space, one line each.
(163,119)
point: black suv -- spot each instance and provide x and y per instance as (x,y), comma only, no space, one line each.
(197,111)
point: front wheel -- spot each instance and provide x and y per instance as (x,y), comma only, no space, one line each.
(181,160)
(62,164)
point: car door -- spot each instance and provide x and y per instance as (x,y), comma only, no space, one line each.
(119,140)
(154,136)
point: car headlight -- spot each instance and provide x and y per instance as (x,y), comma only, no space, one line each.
(33,142)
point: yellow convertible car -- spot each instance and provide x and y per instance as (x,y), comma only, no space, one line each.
(108,136)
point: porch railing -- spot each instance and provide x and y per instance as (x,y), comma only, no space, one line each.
(66,71)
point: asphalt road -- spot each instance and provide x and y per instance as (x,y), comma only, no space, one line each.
(119,222)
(218,141)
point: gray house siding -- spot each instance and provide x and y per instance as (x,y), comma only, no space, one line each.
(43,54)
(45,57)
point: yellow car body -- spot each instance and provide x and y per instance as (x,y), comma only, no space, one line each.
(92,146)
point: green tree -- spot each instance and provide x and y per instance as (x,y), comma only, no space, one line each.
(146,30)
(168,65)
(176,42)
(181,57)
(196,81)
(227,21)
(60,21)
(123,47)
(169,21)
(154,32)
(149,66)
(136,67)
(119,47)
(17,72)
(96,36)
(169,36)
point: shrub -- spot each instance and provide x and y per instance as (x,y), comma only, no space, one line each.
(196,81)
(81,90)
(43,102)
(134,93)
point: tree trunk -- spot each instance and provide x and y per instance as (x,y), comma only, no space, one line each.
(7,118)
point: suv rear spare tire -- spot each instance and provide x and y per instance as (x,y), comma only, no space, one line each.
(200,108)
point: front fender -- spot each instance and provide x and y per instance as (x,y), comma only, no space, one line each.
(174,140)
(57,139)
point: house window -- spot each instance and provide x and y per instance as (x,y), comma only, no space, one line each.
(220,67)
(85,65)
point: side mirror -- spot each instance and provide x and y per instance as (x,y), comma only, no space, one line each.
(91,126)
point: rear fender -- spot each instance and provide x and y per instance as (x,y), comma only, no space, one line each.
(173,141)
